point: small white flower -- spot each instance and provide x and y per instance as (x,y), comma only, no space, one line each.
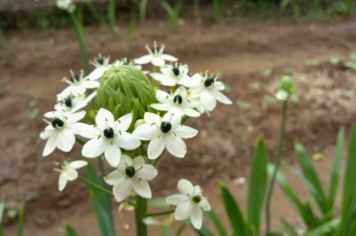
(155,56)
(282,95)
(72,103)
(131,175)
(60,131)
(78,84)
(178,103)
(171,75)
(208,92)
(65,4)
(68,172)
(101,65)
(166,132)
(109,136)
(190,203)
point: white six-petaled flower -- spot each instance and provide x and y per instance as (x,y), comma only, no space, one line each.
(68,172)
(101,65)
(190,203)
(166,132)
(61,130)
(72,103)
(78,84)
(208,92)
(172,75)
(178,103)
(155,56)
(65,4)
(109,136)
(132,175)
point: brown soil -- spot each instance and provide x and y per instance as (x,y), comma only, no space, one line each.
(34,62)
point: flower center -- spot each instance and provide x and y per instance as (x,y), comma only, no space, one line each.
(75,78)
(178,99)
(57,123)
(109,132)
(208,82)
(166,126)
(175,71)
(130,171)
(155,49)
(68,102)
(100,60)
(196,199)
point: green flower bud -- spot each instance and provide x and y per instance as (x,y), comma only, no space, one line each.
(122,90)
(286,84)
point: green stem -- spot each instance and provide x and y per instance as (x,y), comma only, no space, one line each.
(90,183)
(140,214)
(112,15)
(80,35)
(277,163)
(160,213)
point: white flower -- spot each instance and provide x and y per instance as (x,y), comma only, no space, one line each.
(166,132)
(282,95)
(68,172)
(190,203)
(208,92)
(60,131)
(65,4)
(171,75)
(101,65)
(178,103)
(131,175)
(109,136)
(155,56)
(78,84)
(72,103)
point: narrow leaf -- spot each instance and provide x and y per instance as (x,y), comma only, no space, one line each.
(324,229)
(21,220)
(217,222)
(257,185)
(70,231)
(233,212)
(204,232)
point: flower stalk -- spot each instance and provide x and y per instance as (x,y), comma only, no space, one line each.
(94,185)
(277,163)
(140,214)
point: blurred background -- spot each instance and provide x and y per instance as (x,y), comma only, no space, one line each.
(250,42)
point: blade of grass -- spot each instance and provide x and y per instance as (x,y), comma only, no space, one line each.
(257,185)
(21,220)
(2,209)
(142,10)
(204,232)
(289,229)
(217,223)
(233,212)
(180,230)
(69,230)
(335,172)
(324,229)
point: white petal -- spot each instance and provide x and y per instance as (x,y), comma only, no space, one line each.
(104,118)
(183,210)
(114,177)
(222,98)
(124,122)
(146,132)
(48,132)
(160,106)
(208,100)
(125,161)
(97,73)
(155,148)
(175,145)
(65,140)
(85,130)
(147,172)
(196,217)
(151,118)
(122,189)
(142,188)
(138,162)
(168,57)
(91,84)
(50,146)
(176,199)
(113,155)
(158,61)
(127,141)
(185,187)
(94,148)
(143,60)
(78,164)
(70,174)
(62,182)
(162,96)
(191,112)
(184,131)
(74,117)
(204,204)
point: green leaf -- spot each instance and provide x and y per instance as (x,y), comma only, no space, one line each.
(349,192)
(21,220)
(288,228)
(70,231)
(257,185)
(310,178)
(180,230)
(335,172)
(324,229)
(204,232)
(304,210)
(165,231)
(218,224)
(101,204)
(233,212)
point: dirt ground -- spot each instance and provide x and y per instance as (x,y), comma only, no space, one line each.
(250,58)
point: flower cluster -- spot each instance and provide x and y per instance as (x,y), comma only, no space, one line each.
(67,5)
(121,116)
